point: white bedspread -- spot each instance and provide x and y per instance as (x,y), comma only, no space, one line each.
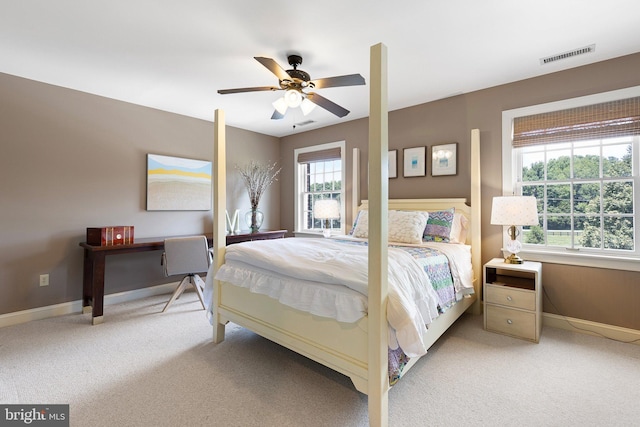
(412,303)
(459,257)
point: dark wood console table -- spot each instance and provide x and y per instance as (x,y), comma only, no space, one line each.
(95,260)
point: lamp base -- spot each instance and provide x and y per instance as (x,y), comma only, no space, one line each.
(513,259)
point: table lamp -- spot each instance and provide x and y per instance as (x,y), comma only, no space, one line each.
(326,209)
(514,211)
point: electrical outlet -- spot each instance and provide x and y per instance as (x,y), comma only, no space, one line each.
(44,280)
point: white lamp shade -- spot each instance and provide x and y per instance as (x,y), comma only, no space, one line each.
(326,209)
(514,210)
(293,98)
(307,106)
(280,105)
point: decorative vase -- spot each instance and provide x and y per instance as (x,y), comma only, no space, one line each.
(254,219)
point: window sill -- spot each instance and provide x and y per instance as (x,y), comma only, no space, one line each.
(582,259)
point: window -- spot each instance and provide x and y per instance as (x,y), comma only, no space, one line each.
(320,174)
(580,159)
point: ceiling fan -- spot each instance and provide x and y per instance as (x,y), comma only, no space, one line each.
(294,82)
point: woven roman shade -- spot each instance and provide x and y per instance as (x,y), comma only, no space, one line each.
(320,156)
(605,120)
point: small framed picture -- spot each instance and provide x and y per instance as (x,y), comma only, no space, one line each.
(415,162)
(444,159)
(393,163)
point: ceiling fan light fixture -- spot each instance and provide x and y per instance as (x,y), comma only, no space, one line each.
(307,106)
(293,98)
(294,82)
(280,105)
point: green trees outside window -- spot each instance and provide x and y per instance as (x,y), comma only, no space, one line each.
(584,192)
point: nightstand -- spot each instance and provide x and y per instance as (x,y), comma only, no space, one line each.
(513,299)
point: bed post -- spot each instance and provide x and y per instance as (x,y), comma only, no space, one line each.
(355,186)
(219,210)
(378,381)
(476,214)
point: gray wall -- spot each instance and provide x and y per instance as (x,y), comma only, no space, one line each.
(599,295)
(70,160)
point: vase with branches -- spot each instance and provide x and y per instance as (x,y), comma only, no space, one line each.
(257,177)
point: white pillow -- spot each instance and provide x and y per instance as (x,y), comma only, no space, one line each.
(361,228)
(404,226)
(459,229)
(407,226)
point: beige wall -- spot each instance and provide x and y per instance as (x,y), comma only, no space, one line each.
(70,160)
(599,295)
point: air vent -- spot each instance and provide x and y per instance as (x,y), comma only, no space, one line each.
(308,122)
(570,54)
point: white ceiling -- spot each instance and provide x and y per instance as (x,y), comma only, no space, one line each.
(174,55)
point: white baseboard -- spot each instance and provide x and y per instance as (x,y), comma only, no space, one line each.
(551,320)
(591,328)
(76,306)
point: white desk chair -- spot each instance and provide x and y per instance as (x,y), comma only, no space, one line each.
(186,255)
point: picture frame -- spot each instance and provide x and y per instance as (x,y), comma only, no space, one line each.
(444,159)
(414,161)
(393,164)
(178,184)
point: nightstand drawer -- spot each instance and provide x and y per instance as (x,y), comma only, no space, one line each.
(511,322)
(510,296)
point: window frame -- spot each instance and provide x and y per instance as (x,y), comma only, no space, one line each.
(510,162)
(299,185)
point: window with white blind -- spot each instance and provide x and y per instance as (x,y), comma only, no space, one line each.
(580,159)
(320,174)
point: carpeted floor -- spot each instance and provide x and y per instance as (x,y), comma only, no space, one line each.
(144,368)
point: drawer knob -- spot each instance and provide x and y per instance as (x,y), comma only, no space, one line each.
(509,298)
(509,321)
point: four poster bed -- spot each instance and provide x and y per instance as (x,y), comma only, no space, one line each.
(358,348)
(307,294)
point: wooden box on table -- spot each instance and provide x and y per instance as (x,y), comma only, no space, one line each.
(110,236)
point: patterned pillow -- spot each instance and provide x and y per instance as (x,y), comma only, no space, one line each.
(438,227)
(407,226)
(404,226)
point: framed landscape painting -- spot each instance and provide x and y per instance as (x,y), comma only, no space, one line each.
(178,184)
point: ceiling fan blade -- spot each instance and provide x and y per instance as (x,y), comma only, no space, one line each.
(276,115)
(273,66)
(348,80)
(327,105)
(248,89)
